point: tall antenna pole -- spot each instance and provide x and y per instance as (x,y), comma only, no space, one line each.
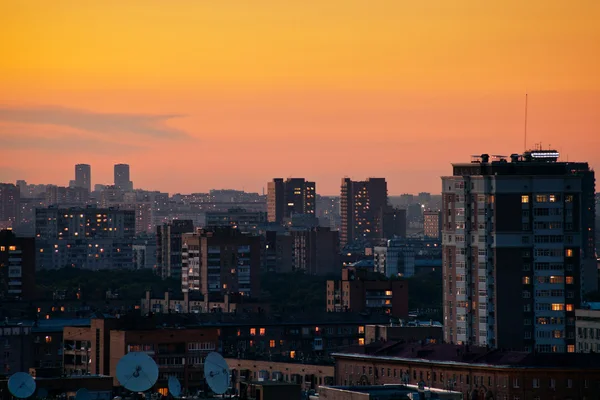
(525,140)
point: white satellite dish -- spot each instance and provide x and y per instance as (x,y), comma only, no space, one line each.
(21,385)
(137,372)
(174,386)
(216,373)
(83,394)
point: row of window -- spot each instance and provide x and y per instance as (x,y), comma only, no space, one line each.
(546,198)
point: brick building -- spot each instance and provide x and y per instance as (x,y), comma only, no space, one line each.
(361,291)
(17,267)
(477,372)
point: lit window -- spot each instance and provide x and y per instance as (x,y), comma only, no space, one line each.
(571,348)
(541,198)
(48,339)
(569,198)
(2,248)
(252,343)
(524,199)
(569,280)
(526,280)
(262,331)
(361,341)
(271,343)
(558,307)
(39,309)
(224,286)
(552,198)
(388,292)
(569,252)
(239,333)
(12,248)
(361,330)
(569,307)
(292,354)
(253,331)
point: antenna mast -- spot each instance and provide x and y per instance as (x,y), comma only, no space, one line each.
(525,140)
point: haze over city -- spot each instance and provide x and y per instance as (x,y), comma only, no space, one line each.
(199,95)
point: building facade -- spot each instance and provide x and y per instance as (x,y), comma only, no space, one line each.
(432,224)
(245,221)
(518,251)
(315,251)
(168,247)
(122,180)
(217,261)
(17,267)
(393,222)
(10,196)
(361,204)
(395,259)
(359,292)
(292,196)
(91,238)
(83,176)
(587,326)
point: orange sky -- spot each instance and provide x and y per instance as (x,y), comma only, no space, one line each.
(229,94)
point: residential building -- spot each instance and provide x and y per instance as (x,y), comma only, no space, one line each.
(168,247)
(432,224)
(393,222)
(408,332)
(292,196)
(17,267)
(587,327)
(91,238)
(360,291)
(144,252)
(10,196)
(397,258)
(315,251)
(476,372)
(245,221)
(389,391)
(518,251)
(83,177)
(66,196)
(361,205)
(122,180)
(196,303)
(218,261)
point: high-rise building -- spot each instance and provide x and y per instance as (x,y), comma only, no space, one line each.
(432,224)
(90,237)
(393,222)
(221,260)
(168,247)
(316,251)
(240,218)
(396,258)
(66,196)
(10,196)
(122,180)
(292,196)
(361,205)
(518,251)
(17,267)
(83,176)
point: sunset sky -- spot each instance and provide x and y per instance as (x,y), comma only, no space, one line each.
(229,94)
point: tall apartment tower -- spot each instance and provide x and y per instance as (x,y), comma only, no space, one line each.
(168,247)
(292,196)
(122,181)
(361,203)
(10,207)
(518,250)
(83,176)
(432,224)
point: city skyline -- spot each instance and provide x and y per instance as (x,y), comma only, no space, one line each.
(413,86)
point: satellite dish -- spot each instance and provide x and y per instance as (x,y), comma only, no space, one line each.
(21,385)
(83,394)
(137,372)
(216,373)
(174,386)
(42,393)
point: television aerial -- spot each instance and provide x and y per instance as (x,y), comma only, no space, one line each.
(174,386)
(216,373)
(83,394)
(21,385)
(137,372)
(41,393)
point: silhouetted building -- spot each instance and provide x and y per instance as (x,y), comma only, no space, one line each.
(10,196)
(90,237)
(361,205)
(245,221)
(168,247)
(122,180)
(518,251)
(292,196)
(359,291)
(394,222)
(66,196)
(83,176)
(17,266)
(316,251)
(223,260)
(432,224)
(144,252)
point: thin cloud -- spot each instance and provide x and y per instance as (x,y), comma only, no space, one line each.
(66,144)
(153,125)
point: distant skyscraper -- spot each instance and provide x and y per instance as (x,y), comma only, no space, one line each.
(122,181)
(10,197)
(292,196)
(518,251)
(432,224)
(168,247)
(83,176)
(361,205)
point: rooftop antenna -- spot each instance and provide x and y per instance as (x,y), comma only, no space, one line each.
(525,142)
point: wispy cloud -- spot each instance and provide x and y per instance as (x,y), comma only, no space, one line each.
(153,125)
(68,144)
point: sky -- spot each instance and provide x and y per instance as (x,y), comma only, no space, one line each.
(230,94)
